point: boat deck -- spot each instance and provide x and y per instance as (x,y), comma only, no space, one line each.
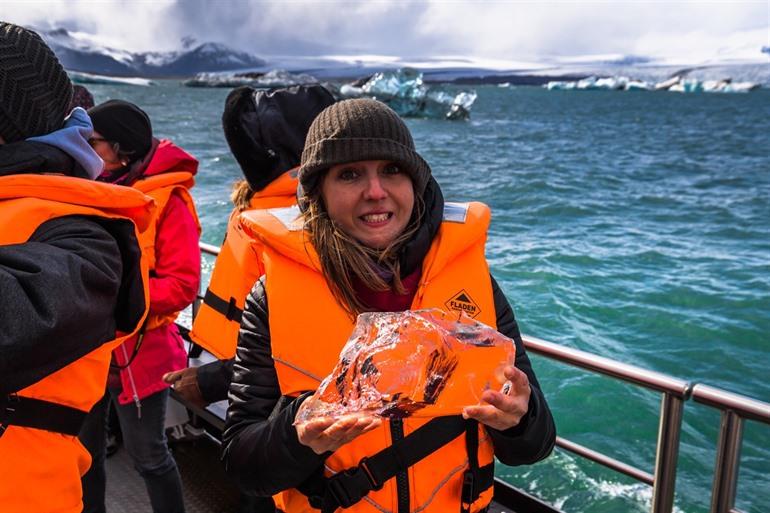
(207,488)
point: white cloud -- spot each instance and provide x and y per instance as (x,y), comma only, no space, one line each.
(411,28)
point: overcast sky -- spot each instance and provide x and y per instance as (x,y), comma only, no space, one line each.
(510,30)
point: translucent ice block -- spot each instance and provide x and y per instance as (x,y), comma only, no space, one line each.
(423,363)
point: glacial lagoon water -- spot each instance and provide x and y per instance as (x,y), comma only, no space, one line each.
(635,226)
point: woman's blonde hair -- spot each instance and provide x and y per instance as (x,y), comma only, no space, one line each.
(241,195)
(343,259)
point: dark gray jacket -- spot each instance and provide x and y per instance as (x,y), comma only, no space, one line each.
(67,289)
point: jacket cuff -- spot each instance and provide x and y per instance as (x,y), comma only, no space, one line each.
(214,380)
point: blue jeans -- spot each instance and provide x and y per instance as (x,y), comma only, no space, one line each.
(145,440)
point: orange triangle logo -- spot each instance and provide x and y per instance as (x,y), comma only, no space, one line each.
(462,302)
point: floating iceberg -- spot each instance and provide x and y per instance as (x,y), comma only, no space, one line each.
(692,85)
(406,93)
(273,78)
(676,84)
(88,78)
(423,363)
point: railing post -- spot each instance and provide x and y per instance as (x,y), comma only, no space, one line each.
(727,463)
(671,409)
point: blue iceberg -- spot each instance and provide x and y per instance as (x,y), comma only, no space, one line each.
(406,93)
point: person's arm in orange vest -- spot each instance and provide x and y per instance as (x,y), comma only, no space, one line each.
(58,293)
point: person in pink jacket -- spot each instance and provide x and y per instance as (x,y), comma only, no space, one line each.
(133,157)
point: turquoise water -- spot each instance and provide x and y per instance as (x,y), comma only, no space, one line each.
(630,225)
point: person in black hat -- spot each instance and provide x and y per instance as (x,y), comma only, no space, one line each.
(70,277)
(133,157)
(122,138)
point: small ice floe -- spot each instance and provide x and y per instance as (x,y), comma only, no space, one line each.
(406,93)
(590,84)
(88,78)
(692,85)
(676,84)
(257,79)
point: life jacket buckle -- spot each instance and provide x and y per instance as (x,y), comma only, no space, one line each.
(363,465)
(353,484)
(233,312)
(8,406)
(467,497)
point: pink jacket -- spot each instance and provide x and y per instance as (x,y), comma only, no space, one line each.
(173,286)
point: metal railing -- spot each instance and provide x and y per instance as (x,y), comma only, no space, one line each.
(735,409)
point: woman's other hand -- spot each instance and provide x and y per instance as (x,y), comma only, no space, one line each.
(185,383)
(326,434)
(503,409)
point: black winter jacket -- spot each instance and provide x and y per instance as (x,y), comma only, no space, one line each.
(261,449)
(68,288)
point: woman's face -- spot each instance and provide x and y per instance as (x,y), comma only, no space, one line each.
(106,150)
(370,200)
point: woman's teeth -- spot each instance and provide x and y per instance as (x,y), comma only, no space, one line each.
(376,218)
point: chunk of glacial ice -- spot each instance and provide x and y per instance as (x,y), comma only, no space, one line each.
(422,363)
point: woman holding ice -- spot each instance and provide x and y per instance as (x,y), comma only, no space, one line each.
(373,235)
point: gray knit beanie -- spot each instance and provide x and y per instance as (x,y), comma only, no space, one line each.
(35,91)
(356,130)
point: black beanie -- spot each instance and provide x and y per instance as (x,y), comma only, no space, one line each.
(35,91)
(124,123)
(266,129)
(356,130)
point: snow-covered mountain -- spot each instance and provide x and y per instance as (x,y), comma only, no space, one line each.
(79,51)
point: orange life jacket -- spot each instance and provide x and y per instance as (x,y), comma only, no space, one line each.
(237,268)
(306,343)
(41,469)
(160,188)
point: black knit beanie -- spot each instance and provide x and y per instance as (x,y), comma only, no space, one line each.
(35,91)
(124,123)
(356,130)
(266,130)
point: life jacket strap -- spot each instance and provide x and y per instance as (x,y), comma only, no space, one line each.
(346,488)
(226,308)
(35,413)
(476,479)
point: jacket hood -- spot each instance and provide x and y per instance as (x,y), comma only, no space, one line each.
(266,130)
(169,157)
(73,140)
(32,157)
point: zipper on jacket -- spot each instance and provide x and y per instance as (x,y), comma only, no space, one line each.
(134,393)
(402,478)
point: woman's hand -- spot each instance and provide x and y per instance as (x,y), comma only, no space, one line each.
(185,383)
(326,434)
(505,409)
